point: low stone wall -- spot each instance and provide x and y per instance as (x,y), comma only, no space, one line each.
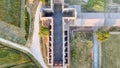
(12,33)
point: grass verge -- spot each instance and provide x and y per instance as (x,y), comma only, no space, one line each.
(111,52)
(12,58)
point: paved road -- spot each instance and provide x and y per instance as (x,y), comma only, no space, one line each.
(20,48)
(58,34)
(35,45)
(15,45)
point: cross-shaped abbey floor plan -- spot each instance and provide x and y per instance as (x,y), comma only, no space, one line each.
(60,18)
(59,37)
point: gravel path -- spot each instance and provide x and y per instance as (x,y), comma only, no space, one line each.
(35,46)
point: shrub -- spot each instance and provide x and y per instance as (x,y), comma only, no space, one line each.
(102,36)
(96,5)
(44,31)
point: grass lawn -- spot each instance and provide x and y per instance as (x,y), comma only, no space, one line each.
(81,50)
(111,52)
(10,11)
(27,65)
(10,58)
(1,46)
(12,33)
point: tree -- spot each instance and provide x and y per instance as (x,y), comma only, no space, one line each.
(89,44)
(96,5)
(102,36)
(44,31)
(44,2)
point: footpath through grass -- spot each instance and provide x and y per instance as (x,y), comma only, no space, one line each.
(81,50)
(111,52)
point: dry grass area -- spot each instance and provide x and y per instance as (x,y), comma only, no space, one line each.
(81,50)
(44,47)
(111,52)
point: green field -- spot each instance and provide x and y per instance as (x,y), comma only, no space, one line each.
(10,11)
(10,58)
(12,21)
(111,52)
(81,50)
(26,65)
(12,33)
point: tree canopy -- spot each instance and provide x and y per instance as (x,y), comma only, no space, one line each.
(102,36)
(96,5)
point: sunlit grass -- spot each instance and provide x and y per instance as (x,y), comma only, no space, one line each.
(111,52)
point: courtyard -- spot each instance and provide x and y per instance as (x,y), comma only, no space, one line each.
(81,49)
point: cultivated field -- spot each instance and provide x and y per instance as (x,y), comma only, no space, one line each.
(81,50)
(111,52)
